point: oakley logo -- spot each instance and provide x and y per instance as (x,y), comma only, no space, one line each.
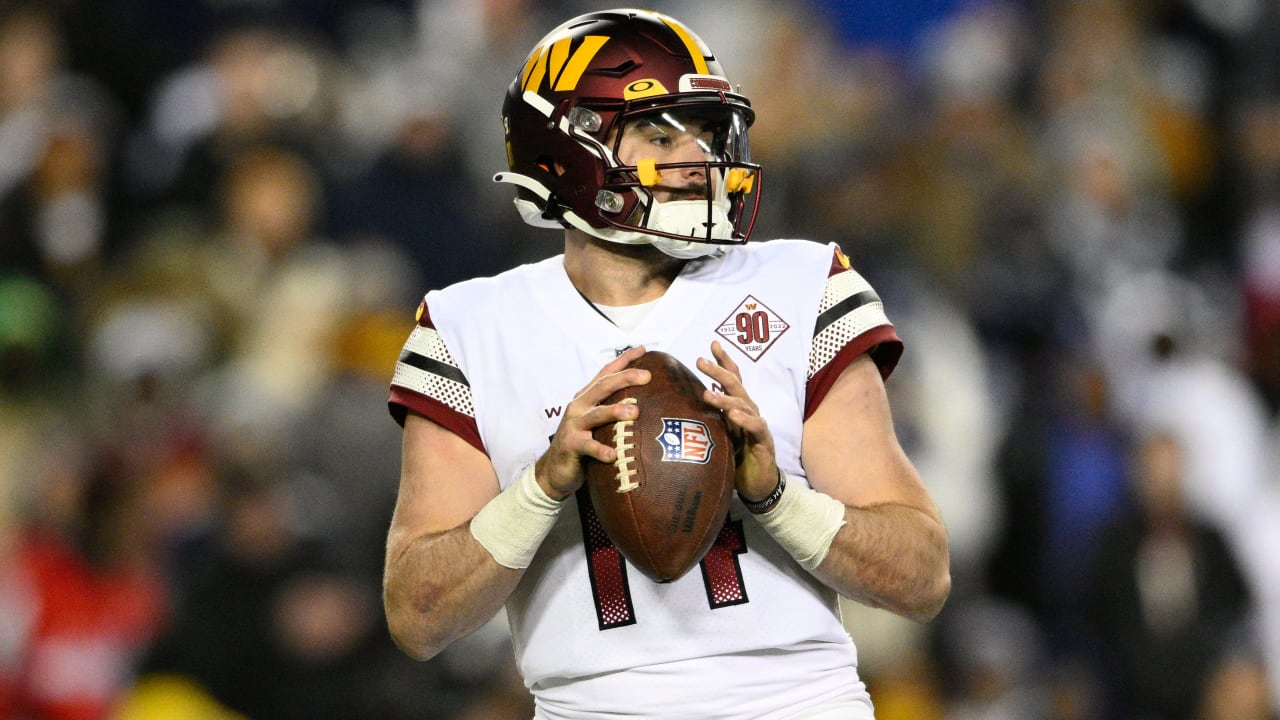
(648,87)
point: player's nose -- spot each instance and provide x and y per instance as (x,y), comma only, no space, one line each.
(693,150)
(695,153)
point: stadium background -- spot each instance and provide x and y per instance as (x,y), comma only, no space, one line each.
(217,218)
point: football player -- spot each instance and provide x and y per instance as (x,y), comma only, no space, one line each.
(624,133)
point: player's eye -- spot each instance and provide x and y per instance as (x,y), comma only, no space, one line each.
(656,134)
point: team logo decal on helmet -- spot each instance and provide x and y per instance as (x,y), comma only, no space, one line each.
(554,63)
(641,83)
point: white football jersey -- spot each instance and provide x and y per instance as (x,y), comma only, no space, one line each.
(747,633)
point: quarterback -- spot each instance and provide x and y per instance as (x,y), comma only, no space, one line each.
(624,134)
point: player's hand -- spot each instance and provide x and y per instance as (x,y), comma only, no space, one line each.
(559,470)
(757,474)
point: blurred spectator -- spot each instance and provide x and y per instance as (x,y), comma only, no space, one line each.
(1166,594)
(262,623)
(1062,480)
(949,423)
(998,659)
(1258,140)
(257,83)
(1113,212)
(57,135)
(278,292)
(808,156)
(81,599)
(462,52)
(972,172)
(33,340)
(1168,349)
(1236,689)
(417,195)
(346,459)
(272,621)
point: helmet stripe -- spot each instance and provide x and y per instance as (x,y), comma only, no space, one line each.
(535,69)
(690,43)
(555,59)
(582,57)
(558,66)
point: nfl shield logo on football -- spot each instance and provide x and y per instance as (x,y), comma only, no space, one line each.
(685,441)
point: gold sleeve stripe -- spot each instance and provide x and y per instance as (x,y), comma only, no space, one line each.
(695,52)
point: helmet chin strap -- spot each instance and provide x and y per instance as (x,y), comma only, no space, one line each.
(686,250)
(689,217)
(679,217)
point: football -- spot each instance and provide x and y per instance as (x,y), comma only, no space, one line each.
(664,500)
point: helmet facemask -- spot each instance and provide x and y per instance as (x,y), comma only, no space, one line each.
(678,177)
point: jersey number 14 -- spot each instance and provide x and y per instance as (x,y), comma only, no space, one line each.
(611,588)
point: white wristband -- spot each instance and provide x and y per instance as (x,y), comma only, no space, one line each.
(513,524)
(804,522)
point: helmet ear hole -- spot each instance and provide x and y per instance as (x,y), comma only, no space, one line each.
(547,163)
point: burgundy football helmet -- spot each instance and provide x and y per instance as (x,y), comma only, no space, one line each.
(565,114)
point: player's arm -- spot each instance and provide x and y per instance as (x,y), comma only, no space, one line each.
(892,551)
(439,584)
(868,529)
(457,546)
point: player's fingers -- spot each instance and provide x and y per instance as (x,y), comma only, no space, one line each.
(593,395)
(724,371)
(620,362)
(749,423)
(725,402)
(578,437)
(722,357)
(612,378)
(735,395)
(599,451)
(731,383)
(602,415)
(573,439)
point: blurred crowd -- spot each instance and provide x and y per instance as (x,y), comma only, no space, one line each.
(217,218)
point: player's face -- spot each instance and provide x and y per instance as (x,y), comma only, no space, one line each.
(668,138)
